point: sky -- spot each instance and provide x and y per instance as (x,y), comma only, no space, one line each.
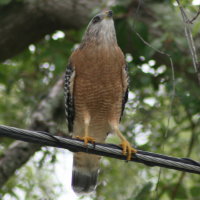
(60,175)
(196,2)
(63,171)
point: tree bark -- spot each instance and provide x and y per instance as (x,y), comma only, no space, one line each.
(20,152)
(26,22)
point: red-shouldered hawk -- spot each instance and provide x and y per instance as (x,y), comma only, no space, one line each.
(96,90)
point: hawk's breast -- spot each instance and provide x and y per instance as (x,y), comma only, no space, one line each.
(98,86)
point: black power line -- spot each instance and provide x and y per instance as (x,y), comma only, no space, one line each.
(109,150)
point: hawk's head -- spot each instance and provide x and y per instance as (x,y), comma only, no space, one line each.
(101,29)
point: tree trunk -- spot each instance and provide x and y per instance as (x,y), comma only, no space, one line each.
(26,22)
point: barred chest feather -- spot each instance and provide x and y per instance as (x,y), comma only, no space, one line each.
(98,85)
(102,62)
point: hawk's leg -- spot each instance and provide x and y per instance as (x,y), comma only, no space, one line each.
(86,138)
(127,149)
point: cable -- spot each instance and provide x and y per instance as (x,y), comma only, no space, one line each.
(109,150)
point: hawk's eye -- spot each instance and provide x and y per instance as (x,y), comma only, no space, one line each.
(96,19)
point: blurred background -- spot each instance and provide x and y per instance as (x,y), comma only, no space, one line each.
(162,114)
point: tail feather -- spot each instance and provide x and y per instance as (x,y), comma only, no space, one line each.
(85,172)
(83,183)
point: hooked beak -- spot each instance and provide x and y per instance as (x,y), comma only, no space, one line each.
(108,14)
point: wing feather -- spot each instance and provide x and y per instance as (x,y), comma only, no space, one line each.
(69,98)
(125,79)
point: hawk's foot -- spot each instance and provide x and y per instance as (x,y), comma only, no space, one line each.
(86,139)
(127,149)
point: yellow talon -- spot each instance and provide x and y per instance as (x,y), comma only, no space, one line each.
(86,139)
(127,149)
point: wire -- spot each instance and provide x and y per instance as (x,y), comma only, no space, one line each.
(109,150)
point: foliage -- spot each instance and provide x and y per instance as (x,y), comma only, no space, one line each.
(155,120)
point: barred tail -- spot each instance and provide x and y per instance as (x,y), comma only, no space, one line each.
(85,172)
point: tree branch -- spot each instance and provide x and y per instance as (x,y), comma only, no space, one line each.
(20,152)
(26,22)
